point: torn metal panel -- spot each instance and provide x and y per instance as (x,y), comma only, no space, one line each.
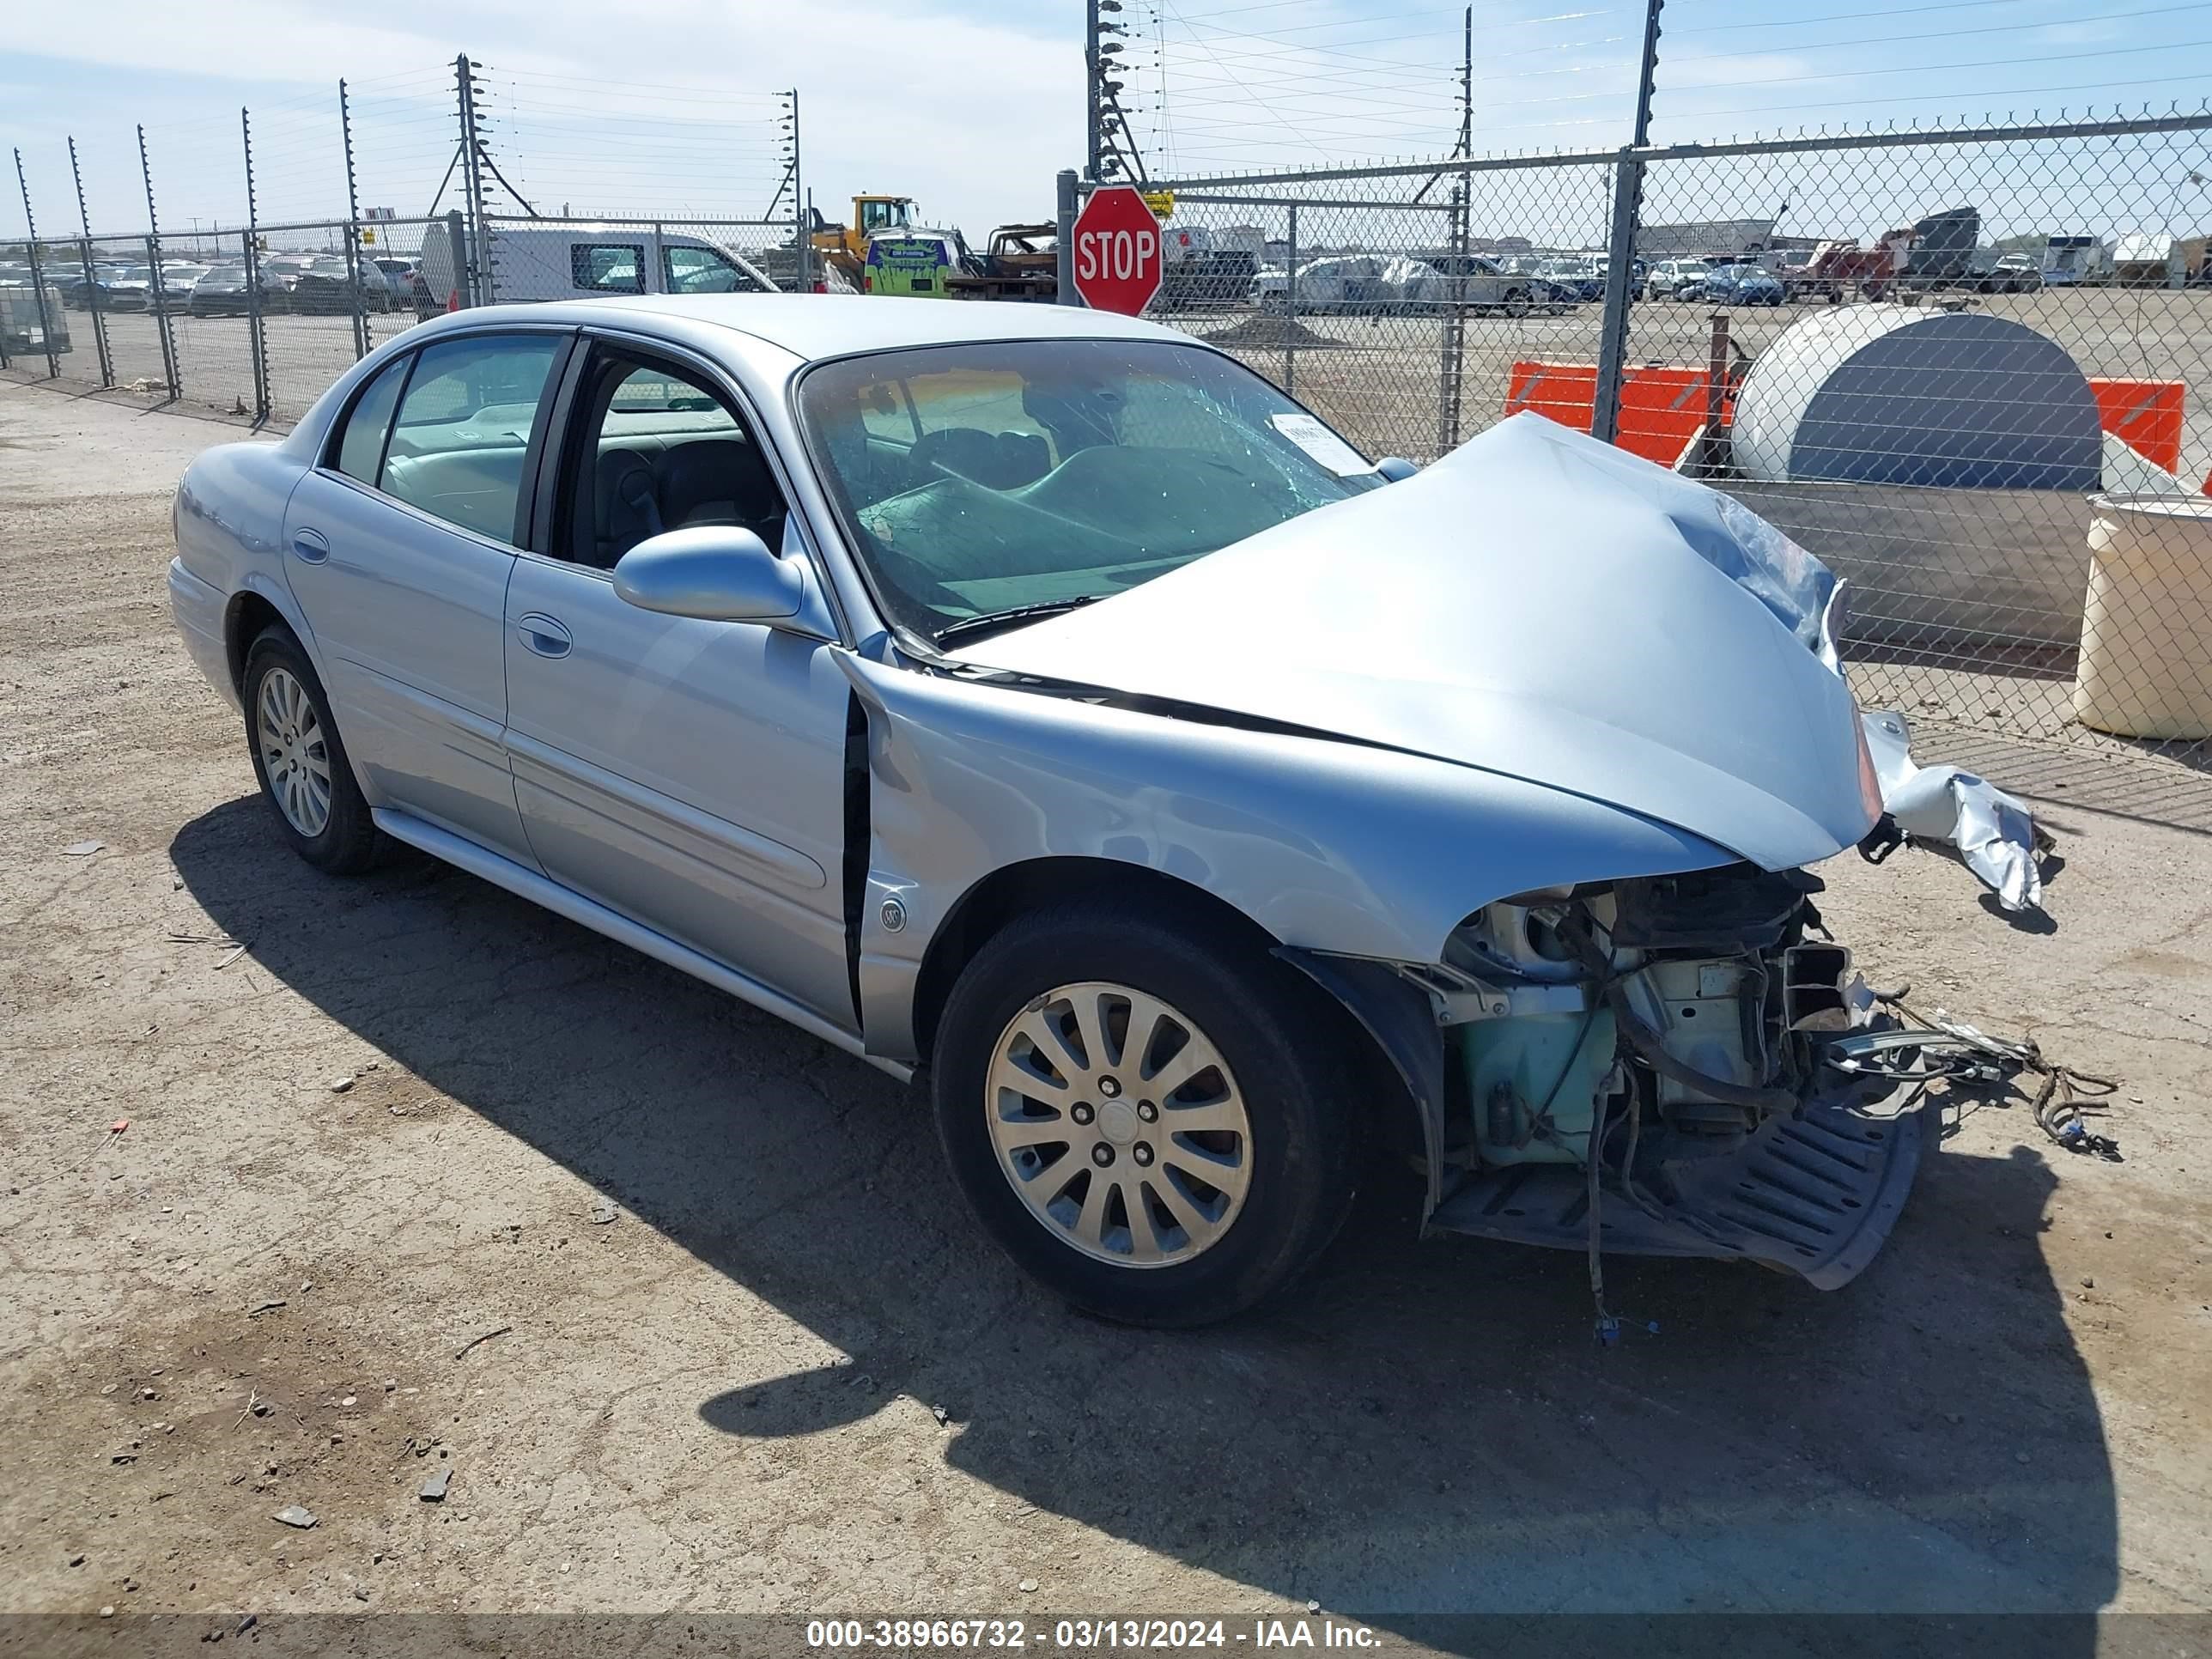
(1994,833)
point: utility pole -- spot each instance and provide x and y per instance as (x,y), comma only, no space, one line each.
(1620,243)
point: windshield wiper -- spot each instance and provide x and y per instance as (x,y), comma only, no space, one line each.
(991,621)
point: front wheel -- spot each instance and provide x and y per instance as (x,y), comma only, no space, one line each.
(1152,1123)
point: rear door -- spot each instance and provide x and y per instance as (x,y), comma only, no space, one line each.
(399,545)
(687,774)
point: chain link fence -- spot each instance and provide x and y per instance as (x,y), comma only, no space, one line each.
(300,276)
(1970,370)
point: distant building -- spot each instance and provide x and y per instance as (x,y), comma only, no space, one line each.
(1692,241)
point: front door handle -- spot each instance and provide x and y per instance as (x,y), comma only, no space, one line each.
(311,545)
(547,636)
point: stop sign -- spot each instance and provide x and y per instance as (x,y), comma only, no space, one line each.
(1117,251)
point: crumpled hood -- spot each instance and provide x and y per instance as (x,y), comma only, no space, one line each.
(1536,603)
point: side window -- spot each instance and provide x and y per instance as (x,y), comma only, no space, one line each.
(361,444)
(655,448)
(700,270)
(608,267)
(463,431)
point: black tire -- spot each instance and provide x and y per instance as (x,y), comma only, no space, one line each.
(1288,1047)
(350,841)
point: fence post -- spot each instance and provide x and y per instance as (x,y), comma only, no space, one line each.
(92,298)
(162,326)
(1451,384)
(1619,275)
(256,337)
(353,232)
(802,240)
(37,275)
(1064,242)
(1291,310)
(457,238)
(1620,244)
(479,284)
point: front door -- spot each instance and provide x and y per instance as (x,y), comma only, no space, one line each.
(399,548)
(687,774)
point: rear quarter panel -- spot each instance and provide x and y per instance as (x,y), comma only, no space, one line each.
(230,518)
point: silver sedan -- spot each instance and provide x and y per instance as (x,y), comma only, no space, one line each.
(1043,703)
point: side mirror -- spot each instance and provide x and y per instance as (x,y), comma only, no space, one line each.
(1396,468)
(716,573)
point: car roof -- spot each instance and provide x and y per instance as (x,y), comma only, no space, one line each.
(817,325)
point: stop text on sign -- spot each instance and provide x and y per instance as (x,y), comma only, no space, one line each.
(1123,255)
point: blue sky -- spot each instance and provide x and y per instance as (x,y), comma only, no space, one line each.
(973,105)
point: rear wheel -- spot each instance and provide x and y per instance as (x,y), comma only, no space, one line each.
(1152,1123)
(301,760)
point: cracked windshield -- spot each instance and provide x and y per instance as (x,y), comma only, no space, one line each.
(977,480)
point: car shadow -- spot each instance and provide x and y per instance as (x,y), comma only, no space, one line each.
(1418,1430)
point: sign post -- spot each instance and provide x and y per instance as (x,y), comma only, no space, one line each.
(1118,257)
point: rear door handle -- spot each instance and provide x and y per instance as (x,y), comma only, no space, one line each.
(547,636)
(311,545)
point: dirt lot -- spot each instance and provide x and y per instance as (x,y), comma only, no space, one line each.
(788,1376)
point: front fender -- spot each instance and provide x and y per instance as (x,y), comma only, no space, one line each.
(1334,847)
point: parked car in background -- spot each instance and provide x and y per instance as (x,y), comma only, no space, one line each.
(409,290)
(1669,278)
(1329,835)
(326,285)
(1478,280)
(1336,282)
(2008,273)
(119,288)
(223,292)
(1741,285)
(175,289)
(1582,278)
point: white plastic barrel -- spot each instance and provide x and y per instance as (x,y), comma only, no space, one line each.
(2146,663)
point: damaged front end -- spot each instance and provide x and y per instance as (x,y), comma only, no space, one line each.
(1675,1028)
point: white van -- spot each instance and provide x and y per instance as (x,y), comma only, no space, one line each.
(570,261)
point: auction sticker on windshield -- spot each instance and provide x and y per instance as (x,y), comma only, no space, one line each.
(1322,445)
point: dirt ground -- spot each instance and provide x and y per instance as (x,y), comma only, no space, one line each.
(788,1377)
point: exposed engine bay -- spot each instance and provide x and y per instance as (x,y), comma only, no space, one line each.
(1679,1025)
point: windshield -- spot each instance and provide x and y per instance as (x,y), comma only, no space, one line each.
(982,478)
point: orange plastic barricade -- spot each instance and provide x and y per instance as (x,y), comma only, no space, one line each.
(1662,409)
(2147,413)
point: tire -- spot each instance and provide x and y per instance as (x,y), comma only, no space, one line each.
(1284,1051)
(346,842)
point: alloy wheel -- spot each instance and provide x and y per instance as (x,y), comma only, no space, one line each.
(294,754)
(1118,1124)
